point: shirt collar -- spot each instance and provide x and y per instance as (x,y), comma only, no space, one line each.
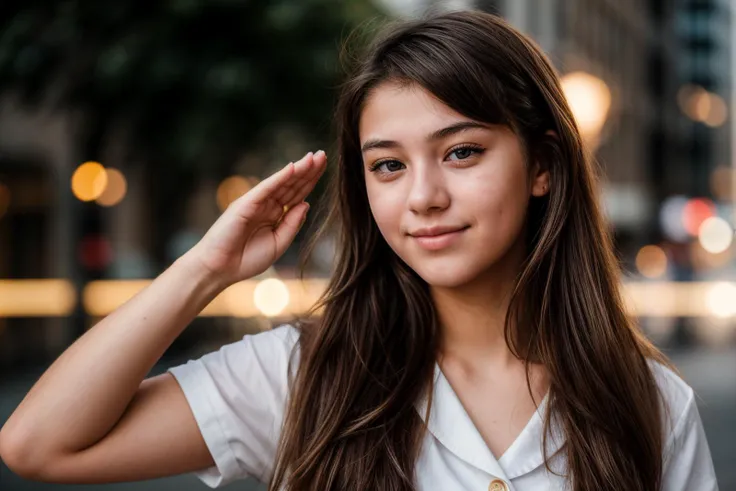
(451,425)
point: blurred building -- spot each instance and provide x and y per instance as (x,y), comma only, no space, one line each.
(667,63)
(633,47)
(36,212)
(42,232)
(704,31)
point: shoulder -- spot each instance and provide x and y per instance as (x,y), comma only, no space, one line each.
(686,455)
(283,339)
(278,343)
(258,363)
(678,399)
(237,395)
(674,390)
(273,350)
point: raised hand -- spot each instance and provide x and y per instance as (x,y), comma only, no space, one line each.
(255,231)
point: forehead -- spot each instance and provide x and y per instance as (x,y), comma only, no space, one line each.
(394,110)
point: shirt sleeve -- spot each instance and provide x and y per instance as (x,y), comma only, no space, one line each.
(688,464)
(238,395)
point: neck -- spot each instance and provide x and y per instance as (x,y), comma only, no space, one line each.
(472,316)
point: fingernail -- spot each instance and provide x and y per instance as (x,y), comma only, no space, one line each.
(319,152)
(304,216)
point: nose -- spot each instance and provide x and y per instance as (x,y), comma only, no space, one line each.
(428,190)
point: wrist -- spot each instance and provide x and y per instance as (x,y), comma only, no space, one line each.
(204,278)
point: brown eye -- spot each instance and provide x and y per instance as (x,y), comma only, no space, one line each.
(391,166)
(464,152)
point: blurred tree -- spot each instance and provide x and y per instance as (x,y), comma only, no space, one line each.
(192,83)
(195,81)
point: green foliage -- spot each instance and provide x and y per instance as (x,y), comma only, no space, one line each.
(195,80)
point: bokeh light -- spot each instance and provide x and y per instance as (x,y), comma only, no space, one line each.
(698,106)
(651,261)
(695,212)
(231,189)
(670,218)
(702,106)
(95,252)
(715,235)
(271,296)
(718,112)
(37,298)
(590,100)
(115,189)
(89,181)
(720,299)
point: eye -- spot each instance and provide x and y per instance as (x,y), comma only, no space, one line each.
(465,151)
(391,166)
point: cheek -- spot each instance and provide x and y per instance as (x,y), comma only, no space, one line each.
(498,204)
(386,210)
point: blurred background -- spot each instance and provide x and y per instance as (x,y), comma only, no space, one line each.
(126,127)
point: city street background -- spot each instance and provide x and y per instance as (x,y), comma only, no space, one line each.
(126,128)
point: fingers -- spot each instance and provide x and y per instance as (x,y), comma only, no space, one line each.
(302,170)
(280,182)
(284,189)
(300,190)
(289,226)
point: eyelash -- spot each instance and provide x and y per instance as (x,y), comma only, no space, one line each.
(475,148)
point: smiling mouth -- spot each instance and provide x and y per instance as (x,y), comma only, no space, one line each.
(439,241)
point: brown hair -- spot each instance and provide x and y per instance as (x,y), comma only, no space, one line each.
(351,422)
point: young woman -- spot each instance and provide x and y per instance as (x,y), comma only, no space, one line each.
(472,336)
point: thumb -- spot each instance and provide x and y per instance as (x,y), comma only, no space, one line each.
(290,224)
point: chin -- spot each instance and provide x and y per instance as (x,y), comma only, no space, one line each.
(447,275)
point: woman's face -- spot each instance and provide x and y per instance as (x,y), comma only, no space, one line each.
(449,194)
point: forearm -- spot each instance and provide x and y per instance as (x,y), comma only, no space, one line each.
(86,390)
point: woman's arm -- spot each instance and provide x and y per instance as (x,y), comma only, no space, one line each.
(91,417)
(95,387)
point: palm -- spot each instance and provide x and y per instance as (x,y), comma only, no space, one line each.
(252,233)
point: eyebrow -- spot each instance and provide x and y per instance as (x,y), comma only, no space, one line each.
(453,129)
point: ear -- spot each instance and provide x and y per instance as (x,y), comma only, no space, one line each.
(539,177)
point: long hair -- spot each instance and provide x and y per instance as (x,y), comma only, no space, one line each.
(350,421)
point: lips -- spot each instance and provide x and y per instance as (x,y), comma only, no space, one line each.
(438,238)
(436,230)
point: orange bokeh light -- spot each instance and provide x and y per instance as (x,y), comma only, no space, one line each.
(89,181)
(115,190)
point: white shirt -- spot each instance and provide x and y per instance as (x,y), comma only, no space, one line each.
(237,395)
